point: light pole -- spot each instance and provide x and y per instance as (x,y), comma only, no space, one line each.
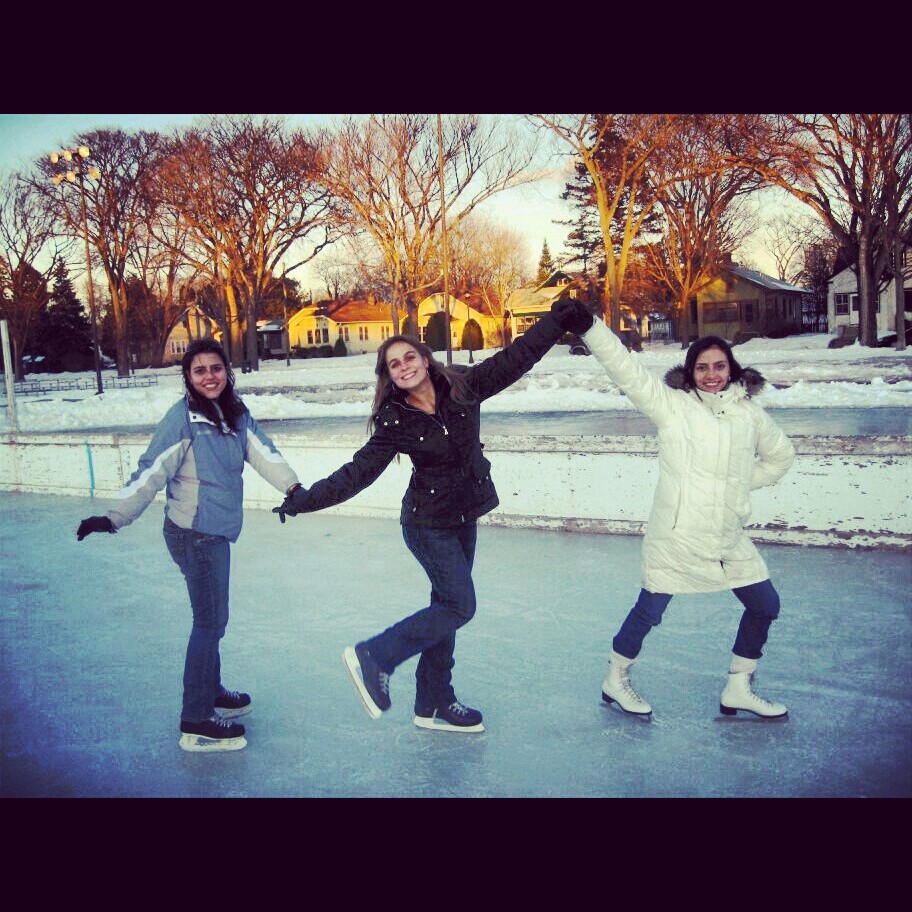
(75,159)
(285,315)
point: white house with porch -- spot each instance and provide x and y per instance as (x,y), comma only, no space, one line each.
(843,298)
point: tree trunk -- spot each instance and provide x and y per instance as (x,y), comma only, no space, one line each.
(233,329)
(253,348)
(121,343)
(867,293)
(900,293)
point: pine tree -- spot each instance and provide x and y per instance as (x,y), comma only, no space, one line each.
(65,331)
(545,264)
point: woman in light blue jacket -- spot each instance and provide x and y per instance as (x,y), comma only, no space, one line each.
(198,453)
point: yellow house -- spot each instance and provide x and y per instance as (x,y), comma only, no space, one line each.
(364,324)
(192,324)
(361,324)
(460,314)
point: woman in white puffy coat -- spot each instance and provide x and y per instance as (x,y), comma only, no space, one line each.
(715,447)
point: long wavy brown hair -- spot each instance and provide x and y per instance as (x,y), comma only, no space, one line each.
(459,389)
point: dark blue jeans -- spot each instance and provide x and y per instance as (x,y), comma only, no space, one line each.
(446,556)
(761,608)
(205,561)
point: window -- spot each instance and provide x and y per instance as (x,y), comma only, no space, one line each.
(841,304)
(855,303)
(178,346)
(721,313)
(310,337)
(344,331)
(325,334)
(524,323)
(385,332)
(748,311)
(362,333)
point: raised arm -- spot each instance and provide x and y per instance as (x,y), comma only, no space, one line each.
(645,390)
(506,367)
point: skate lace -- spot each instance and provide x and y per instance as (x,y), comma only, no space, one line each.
(628,688)
(221,723)
(457,708)
(750,689)
(231,694)
(383,680)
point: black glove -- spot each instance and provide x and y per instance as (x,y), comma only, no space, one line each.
(293,504)
(94,524)
(571,316)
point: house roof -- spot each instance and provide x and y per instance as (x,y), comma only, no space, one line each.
(763,280)
(349,311)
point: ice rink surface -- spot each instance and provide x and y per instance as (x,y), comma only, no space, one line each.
(92,638)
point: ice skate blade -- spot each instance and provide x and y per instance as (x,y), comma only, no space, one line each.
(435,724)
(353,667)
(729,713)
(233,713)
(614,706)
(201,744)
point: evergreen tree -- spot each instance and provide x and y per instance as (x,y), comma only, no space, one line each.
(545,264)
(435,333)
(65,333)
(472,337)
(584,242)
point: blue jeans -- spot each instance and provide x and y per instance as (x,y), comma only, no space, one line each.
(446,556)
(205,562)
(761,608)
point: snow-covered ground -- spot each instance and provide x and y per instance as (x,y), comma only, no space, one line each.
(801,373)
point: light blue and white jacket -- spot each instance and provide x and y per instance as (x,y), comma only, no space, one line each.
(202,469)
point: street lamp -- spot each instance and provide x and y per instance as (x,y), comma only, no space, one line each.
(75,169)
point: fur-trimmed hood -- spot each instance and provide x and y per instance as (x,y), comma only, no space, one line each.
(751,380)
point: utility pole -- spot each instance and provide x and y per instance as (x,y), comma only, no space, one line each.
(446,275)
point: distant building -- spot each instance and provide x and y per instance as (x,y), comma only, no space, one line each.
(743,303)
(192,324)
(527,305)
(364,324)
(842,299)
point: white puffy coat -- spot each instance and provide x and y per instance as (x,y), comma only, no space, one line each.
(714,449)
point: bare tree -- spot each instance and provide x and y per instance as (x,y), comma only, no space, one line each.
(115,209)
(163,271)
(250,196)
(29,254)
(387,171)
(845,167)
(788,238)
(615,149)
(491,260)
(699,193)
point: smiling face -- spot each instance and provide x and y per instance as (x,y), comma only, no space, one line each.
(406,367)
(712,371)
(208,375)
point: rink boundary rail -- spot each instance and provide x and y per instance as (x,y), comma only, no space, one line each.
(845,492)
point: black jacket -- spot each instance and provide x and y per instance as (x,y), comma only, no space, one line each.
(451,481)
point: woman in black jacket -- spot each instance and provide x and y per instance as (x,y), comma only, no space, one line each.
(431,413)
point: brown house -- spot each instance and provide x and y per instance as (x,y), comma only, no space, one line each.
(743,303)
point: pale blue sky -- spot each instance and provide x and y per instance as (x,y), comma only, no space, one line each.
(25,138)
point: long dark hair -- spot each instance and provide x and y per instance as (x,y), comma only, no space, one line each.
(228,406)
(459,389)
(701,345)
